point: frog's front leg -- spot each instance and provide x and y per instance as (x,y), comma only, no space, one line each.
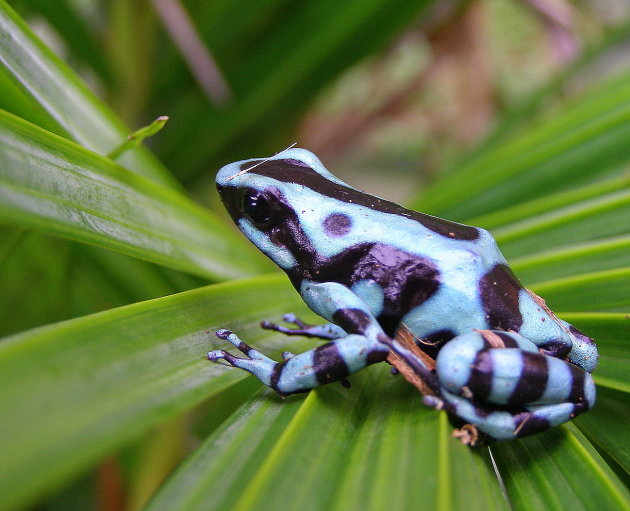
(503,385)
(333,361)
(365,343)
(330,362)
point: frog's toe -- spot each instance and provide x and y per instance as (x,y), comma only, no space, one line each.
(294,320)
(223,333)
(258,364)
(300,328)
(327,332)
(243,347)
(218,356)
(433,402)
(228,335)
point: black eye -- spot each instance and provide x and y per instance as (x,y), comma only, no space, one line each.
(256,207)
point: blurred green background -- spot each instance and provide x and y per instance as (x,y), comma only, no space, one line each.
(513,115)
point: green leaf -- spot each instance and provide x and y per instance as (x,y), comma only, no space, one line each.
(14,99)
(573,260)
(70,273)
(611,437)
(598,291)
(103,379)
(404,453)
(275,73)
(592,219)
(558,470)
(53,90)
(335,449)
(583,142)
(547,204)
(52,184)
(76,32)
(213,477)
(314,434)
(138,136)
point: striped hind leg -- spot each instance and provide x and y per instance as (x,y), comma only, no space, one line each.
(503,385)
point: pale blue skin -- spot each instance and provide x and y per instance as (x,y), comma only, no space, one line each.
(455,306)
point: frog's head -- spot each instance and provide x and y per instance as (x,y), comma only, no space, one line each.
(287,205)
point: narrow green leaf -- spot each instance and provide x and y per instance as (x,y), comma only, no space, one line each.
(469,468)
(370,448)
(76,32)
(319,440)
(563,200)
(558,470)
(216,474)
(598,291)
(138,136)
(598,218)
(54,89)
(70,272)
(585,141)
(49,183)
(601,255)
(74,391)
(404,453)
(17,101)
(274,79)
(606,426)
(382,470)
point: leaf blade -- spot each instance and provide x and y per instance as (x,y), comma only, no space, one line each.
(77,389)
(598,291)
(55,91)
(547,471)
(50,183)
(585,141)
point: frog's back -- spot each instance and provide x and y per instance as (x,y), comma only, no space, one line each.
(395,258)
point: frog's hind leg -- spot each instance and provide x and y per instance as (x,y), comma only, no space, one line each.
(503,385)
(501,423)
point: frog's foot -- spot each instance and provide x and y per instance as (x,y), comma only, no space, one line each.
(505,422)
(255,363)
(328,332)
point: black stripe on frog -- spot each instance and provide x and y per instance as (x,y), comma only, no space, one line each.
(499,291)
(295,171)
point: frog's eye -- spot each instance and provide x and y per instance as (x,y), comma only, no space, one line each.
(256,208)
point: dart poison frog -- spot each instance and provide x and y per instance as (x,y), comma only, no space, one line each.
(503,362)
